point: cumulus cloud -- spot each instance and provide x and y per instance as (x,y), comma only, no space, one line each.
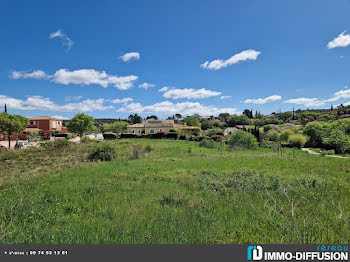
(38,74)
(189,93)
(164,89)
(60,117)
(130,56)
(225,97)
(44,103)
(308,102)
(82,77)
(265,100)
(167,107)
(342,94)
(342,40)
(122,101)
(242,56)
(73,98)
(66,41)
(146,85)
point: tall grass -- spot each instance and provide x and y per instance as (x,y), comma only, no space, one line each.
(171,195)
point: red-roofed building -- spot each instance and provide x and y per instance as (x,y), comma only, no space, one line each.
(45,123)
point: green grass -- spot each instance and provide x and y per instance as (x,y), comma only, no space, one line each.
(177,193)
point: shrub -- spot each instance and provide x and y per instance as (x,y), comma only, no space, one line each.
(297,140)
(182,137)
(102,153)
(208,143)
(211,132)
(128,136)
(173,135)
(285,135)
(267,128)
(338,141)
(316,131)
(137,151)
(273,136)
(242,139)
(148,149)
(109,136)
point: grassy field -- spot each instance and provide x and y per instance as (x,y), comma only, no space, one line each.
(177,193)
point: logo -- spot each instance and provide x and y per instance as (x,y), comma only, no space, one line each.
(254,253)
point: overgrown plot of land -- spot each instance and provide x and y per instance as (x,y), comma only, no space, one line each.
(177,192)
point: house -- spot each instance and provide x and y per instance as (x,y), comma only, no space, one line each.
(230,130)
(152,126)
(45,123)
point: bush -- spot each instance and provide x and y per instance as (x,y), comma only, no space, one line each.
(173,135)
(267,128)
(316,131)
(297,140)
(217,137)
(102,153)
(242,139)
(273,136)
(109,136)
(127,135)
(338,141)
(285,135)
(148,149)
(182,137)
(137,151)
(158,135)
(208,143)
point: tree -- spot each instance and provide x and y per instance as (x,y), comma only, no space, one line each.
(337,140)
(152,117)
(178,116)
(285,116)
(116,127)
(238,120)
(191,121)
(246,112)
(134,119)
(316,131)
(224,116)
(81,123)
(205,124)
(12,124)
(242,139)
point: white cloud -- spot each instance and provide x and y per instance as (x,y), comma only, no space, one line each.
(265,100)
(342,94)
(73,98)
(146,85)
(164,89)
(43,103)
(38,74)
(167,108)
(60,117)
(242,56)
(308,102)
(122,101)
(225,97)
(342,40)
(82,77)
(189,93)
(130,56)
(66,41)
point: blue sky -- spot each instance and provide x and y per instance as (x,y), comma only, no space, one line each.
(58,58)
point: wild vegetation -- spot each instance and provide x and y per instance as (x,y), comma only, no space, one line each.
(164,191)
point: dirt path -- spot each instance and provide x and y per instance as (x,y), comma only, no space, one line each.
(315,153)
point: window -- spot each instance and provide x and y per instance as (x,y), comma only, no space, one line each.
(58,123)
(132,131)
(160,130)
(139,131)
(32,123)
(151,131)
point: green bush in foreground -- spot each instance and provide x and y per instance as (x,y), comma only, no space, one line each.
(242,139)
(338,141)
(285,135)
(297,140)
(273,136)
(103,153)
